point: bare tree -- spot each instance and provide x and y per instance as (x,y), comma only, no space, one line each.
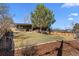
(5,20)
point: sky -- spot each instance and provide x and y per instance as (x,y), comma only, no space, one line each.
(66,14)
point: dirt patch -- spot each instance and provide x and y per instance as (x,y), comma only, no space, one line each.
(59,48)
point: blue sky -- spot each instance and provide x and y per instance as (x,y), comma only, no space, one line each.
(65,13)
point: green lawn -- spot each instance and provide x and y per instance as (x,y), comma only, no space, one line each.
(22,39)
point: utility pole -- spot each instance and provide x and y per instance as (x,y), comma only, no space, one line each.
(72,24)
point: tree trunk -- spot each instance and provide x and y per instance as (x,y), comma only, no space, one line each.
(32,28)
(49,31)
(40,30)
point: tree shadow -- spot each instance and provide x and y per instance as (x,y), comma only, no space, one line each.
(7,44)
(60,49)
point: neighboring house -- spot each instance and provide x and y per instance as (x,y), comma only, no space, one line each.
(23,27)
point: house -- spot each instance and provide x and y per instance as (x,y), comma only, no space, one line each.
(23,27)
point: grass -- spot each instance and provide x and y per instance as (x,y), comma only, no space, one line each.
(22,39)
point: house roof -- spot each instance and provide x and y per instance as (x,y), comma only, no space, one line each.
(23,24)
